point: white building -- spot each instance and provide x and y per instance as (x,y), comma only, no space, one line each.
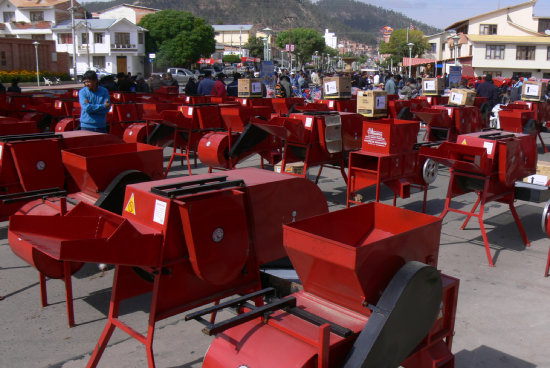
(330,39)
(116,45)
(504,42)
(133,13)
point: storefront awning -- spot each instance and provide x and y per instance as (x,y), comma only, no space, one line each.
(417,61)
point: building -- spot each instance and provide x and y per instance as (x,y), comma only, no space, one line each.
(115,45)
(504,42)
(232,37)
(330,39)
(133,13)
(20,54)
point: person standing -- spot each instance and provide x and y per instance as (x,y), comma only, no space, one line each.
(219,86)
(515,89)
(390,85)
(14,86)
(233,87)
(489,90)
(206,85)
(95,104)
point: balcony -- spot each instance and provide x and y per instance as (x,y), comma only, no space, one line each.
(123,47)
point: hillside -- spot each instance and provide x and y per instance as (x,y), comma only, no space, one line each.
(349,19)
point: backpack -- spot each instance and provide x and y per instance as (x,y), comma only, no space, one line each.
(279,91)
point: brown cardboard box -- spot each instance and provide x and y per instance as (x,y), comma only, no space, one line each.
(250,87)
(463,97)
(543,169)
(373,103)
(291,167)
(433,86)
(533,91)
(337,87)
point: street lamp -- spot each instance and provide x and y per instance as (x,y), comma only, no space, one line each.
(411,45)
(456,38)
(36,43)
(317,60)
(267,32)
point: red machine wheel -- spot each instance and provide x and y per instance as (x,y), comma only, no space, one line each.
(213,150)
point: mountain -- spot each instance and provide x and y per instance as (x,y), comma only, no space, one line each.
(348,19)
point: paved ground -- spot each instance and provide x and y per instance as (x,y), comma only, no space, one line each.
(503,317)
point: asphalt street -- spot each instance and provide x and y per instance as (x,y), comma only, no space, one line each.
(502,320)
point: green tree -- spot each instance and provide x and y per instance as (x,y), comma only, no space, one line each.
(397,47)
(255,47)
(305,40)
(177,37)
(232,59)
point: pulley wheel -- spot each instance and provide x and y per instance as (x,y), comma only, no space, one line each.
(545,214)
(430,171)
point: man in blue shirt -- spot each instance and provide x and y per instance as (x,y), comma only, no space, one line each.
(206,85)
(95,104)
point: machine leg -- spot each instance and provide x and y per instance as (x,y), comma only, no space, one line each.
(43,290)
(174,150)
(519,224)
(547,264)
(324,346)
(425,198)
(68,292)
(102,344)
(318,174)
(349,188)
(485,240)
(149,346)
(213,315)
(395,200)
(471,212)
(449,194)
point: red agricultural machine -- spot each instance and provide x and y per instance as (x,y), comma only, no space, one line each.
(38,172)
(317,138)
(528,117)
(389,155)
(372,297)
(190,241)
(487,163)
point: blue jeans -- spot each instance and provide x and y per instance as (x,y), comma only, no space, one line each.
(98,130)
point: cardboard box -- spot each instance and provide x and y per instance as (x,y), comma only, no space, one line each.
(373,103)
(462,97)
(542,174)
(250,87)
(291,167)
(533,91)
(337,87)
(433,86)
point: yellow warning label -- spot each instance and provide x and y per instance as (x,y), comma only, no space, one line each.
(464,142)
(131,205)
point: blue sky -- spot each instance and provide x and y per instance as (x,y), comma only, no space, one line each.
(443,13)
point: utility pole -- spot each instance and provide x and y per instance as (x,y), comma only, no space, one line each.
(290,19)
(74,39)
(87,39)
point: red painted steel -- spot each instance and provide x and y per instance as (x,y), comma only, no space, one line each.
(487,163)
(192,249)
(517,117)
(345,259)
(348,105)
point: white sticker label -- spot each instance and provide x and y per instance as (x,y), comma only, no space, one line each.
(330,88)
(1,147)
(256,87)
(456,98)
(530,105)
(244,101)
(429,85)
(190,111)
(188,99)
(450,111)
(488,146)
(375,138)
(112,108)
(309,121)
(429,100)
(380,102)
(532,90)
(331,104)
(160,212)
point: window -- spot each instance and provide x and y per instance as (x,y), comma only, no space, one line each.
(548,53)
(9,17)
(98,37)
(3,60)
(122,38)
(64,38)
(493,73)
(84,39)
(443,46)
(545,75)
(37,16)
(544,24)
(433,47)
(494,52)
(525,52)
(487,29)
(140,38)
(38,37)
(522,75)
(471,49)
(99,61)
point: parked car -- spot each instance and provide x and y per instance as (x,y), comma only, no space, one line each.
(182,75)
(229,70)
(212,71)
(100,74)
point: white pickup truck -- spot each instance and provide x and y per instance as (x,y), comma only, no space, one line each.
(182,75)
